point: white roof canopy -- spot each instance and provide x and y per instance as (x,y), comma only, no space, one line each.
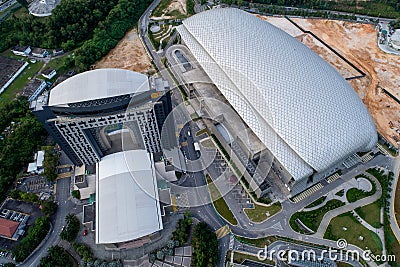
(127,205)
(98,84)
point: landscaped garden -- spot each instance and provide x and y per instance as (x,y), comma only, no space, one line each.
(312,219)
(261,213)
(347,227)
(219,202)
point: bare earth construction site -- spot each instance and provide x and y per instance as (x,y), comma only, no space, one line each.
(358,44)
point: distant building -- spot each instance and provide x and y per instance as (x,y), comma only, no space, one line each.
(21,50)
(49,73)
(34,88)
(39,52)
(307,116)
(8,227)
(58,51)
(42,8)
(37,165)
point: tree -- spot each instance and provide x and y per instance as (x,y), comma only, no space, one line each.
(70,232)
(76,194)
(56,256)
(36,234)
(23,3)
(49,207)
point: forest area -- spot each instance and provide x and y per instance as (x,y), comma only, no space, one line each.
(91,27)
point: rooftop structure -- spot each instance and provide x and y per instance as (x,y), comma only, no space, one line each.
(21,50)
(104,111)
(8,227)
(98,84)
(42,8)
(298,105)
(127,205)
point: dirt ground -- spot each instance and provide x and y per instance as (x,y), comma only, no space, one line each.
(179,5)
(128,54)
(358,43)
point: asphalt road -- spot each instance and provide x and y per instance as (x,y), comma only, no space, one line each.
(65,206)
(278,224)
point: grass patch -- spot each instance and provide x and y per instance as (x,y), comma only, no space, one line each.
(158,11)
(176,13)
(58,64)
(340,193)
(355,194)
(317,202)
(313,218)
(219,202)
(203,131)
(20,82)
(259,213)
(354,231)
(240,257)
(392,245)
(370,213)
(258,242)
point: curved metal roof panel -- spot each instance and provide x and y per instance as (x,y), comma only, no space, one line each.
(98,84)
(304,109)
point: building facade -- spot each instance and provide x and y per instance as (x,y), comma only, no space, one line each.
(104,111)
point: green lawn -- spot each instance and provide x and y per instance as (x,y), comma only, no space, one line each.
(316,202)
(313,218)
(354,194)
(371,214)
(240,257)
(21,81)
(57,64)
(219,203)
(354,230)
(7,9)
(343,264)
(259,213)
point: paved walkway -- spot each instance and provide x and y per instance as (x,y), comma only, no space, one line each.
(379,231)
(392,218)
(349,207)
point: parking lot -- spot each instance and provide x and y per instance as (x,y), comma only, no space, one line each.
(18,209)
(35,184)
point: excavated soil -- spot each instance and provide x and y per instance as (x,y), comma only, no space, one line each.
(128,54)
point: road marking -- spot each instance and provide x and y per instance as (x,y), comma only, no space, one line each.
(222,232)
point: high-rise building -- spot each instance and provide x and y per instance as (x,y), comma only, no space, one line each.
(105,111)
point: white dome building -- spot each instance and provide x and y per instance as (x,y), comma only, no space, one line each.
(307,115)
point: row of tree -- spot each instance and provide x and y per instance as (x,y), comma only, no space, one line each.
(48,206)
(56,257)
(36,234)
(70,24)
(88,260)
(17,148)
(50,163)
(205,246)
(71,230)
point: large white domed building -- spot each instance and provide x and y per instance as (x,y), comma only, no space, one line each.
(297,104)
